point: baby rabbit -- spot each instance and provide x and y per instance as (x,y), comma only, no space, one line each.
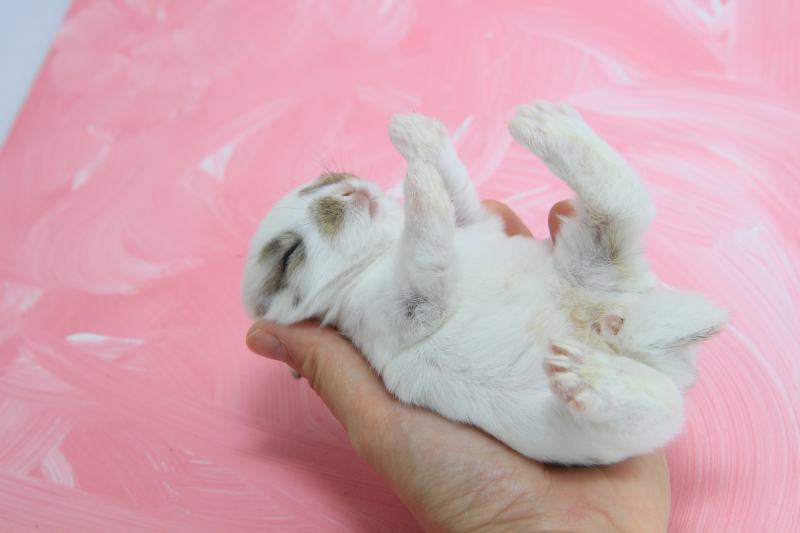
(569,353)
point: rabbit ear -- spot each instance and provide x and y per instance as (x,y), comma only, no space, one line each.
(280,259)
(326,179)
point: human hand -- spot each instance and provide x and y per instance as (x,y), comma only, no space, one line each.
(454,477)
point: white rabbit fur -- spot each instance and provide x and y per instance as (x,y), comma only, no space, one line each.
(568,353)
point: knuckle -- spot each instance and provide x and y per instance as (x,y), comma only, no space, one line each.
(312,365)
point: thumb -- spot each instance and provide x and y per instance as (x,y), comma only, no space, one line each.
(332,366)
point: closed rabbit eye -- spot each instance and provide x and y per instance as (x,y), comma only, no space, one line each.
(286,260)
(282,256)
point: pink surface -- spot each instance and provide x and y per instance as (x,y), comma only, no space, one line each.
(157,135)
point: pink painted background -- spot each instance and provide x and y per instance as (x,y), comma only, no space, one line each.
(157,135)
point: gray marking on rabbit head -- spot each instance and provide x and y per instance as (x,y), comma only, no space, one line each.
(328,213)
(329,178)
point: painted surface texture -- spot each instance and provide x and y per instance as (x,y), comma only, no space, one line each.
(157,135)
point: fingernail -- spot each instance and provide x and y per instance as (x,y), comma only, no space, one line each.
(267,345)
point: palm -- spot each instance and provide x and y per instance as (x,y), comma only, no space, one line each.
(456,475)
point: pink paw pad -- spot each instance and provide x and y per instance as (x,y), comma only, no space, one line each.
(609,325)
(565,381)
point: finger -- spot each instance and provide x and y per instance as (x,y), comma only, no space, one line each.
(513,224)
(332,366)
(563,209)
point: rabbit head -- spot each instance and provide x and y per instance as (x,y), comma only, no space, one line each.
(314,242)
